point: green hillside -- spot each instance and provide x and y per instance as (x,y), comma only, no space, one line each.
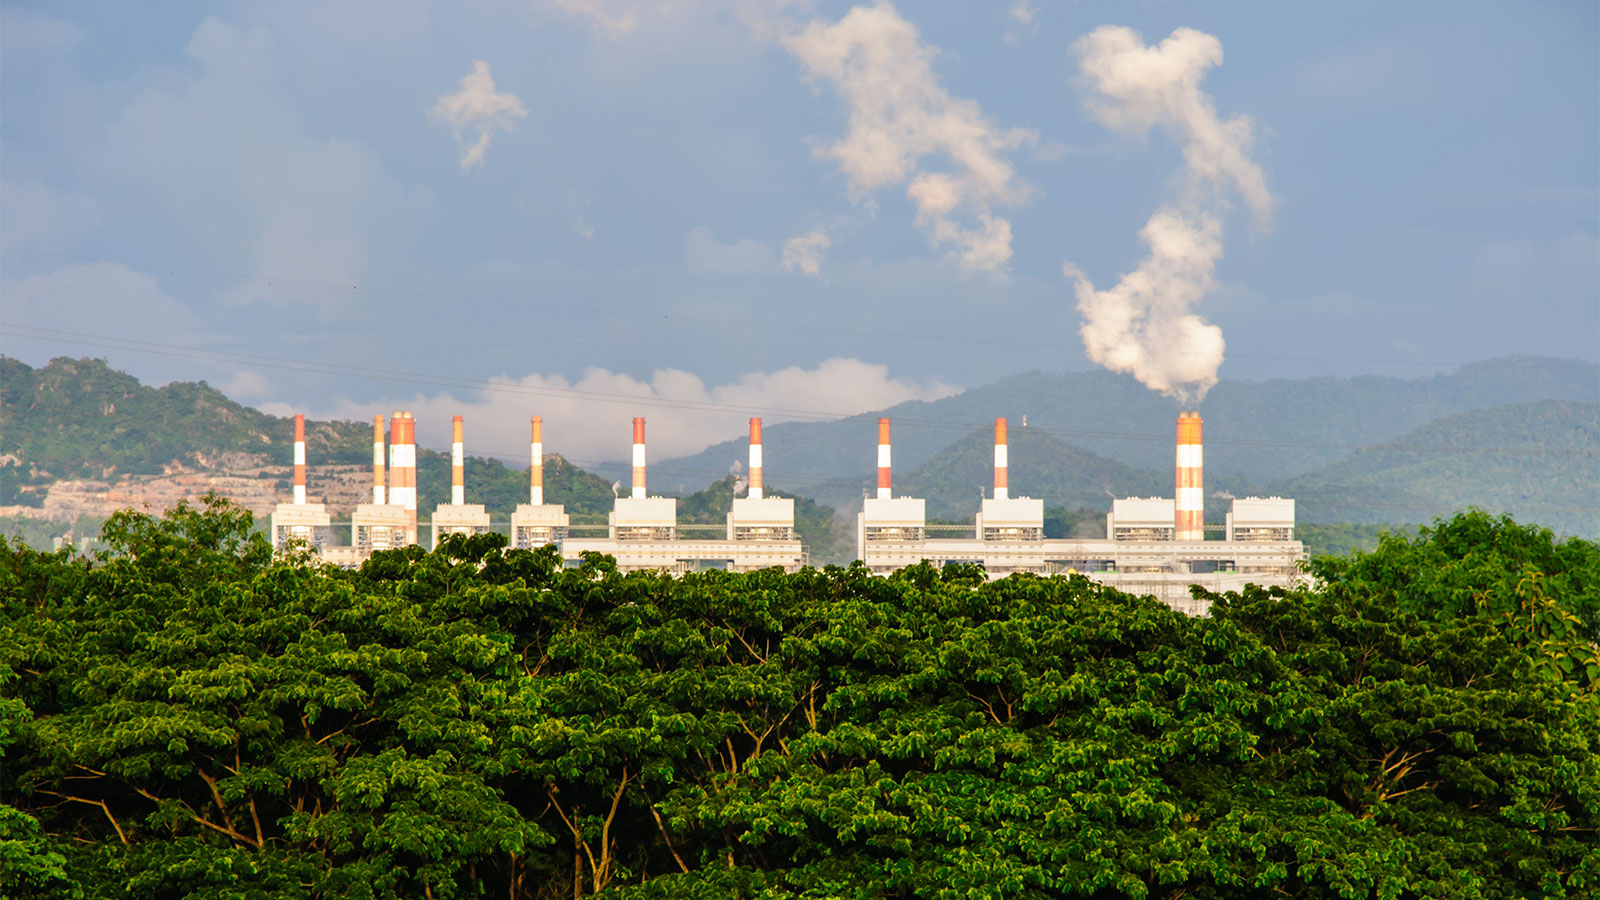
(80,418)
(823,539)
(1537,461)
(500,488)
(1041,466)
(1261,431)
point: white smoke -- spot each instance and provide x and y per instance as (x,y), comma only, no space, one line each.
(480,109)
(1145,325)
(803,253)
(899,117)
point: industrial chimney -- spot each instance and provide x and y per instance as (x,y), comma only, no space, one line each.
(638,458)
(755,459)
(1189,498)
(377,460)
(536,464)
(403,460)
(1000,490)
(458,461)
(300,459)
(883,460)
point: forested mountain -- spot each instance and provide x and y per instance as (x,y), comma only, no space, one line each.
(79,418)
(1536,461)
(1262,431)
(825,540)
(1040,466)
(190,715)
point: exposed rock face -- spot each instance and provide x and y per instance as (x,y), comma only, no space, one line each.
(256,487)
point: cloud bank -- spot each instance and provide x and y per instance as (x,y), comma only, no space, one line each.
(901,119)
(1145,325)
(478,110)
(589,420)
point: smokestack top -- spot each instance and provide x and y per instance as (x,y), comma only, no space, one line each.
(538,426)
(1189,427)
(1001,489)
(883,431)
(884,483)
(754,491)
(638,458)
(299,428)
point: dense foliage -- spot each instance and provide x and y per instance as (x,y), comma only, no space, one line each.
(188,716)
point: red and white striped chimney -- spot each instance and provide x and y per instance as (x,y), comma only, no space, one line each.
(883,460)
(403,460)
(377,460)
(458,462)
(536,464)
(755,459)
(638,458)
(299,459)
(1190,496)
(1001,491)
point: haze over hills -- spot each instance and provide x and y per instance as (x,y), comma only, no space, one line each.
(1540,462)
(1247,424)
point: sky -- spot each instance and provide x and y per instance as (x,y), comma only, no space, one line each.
(702,210)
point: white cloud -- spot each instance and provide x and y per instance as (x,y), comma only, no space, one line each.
(1145,325)
(477,108)
(703,254)
(803,253)
(588,420)
(35,216)
(900,117)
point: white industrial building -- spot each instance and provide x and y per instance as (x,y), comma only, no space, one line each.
(1140,552)
(1152,545)
(642,532)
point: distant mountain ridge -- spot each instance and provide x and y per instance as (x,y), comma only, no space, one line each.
(1540,462)
(1261,431)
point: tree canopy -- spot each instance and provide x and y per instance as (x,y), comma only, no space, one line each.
(187,715)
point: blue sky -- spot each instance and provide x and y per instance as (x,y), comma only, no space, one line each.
(225,182)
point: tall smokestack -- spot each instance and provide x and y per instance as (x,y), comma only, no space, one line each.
(638,458)
(458,462)
(1190,495)
(883,460)
(536,464)
(1000,490)
(300,459)
(755,459)
(377,460)
(403,460)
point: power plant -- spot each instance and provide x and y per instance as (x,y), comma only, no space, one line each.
(1152,545)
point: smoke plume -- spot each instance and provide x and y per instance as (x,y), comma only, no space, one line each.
(899,117)
(1146,325)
